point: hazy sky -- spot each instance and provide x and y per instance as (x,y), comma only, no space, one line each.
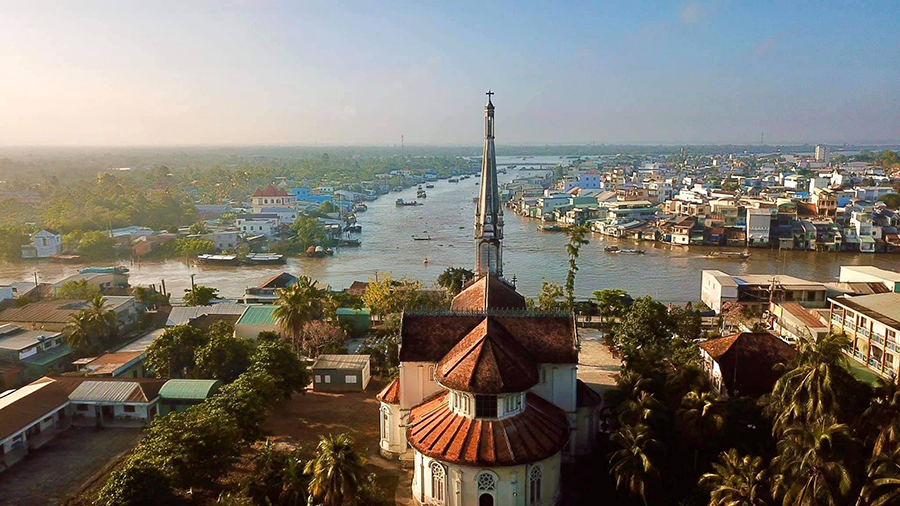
(191,72)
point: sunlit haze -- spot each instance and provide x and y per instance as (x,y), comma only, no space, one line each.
(182,73)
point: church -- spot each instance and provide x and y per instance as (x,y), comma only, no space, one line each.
(488,406)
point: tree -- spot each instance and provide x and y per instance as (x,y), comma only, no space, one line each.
(223,357)
(79,332)
(190,247)
(200,295)
(248,399)
(102,318)
(309,233)
(77,289)
(384,296)
(643,408)
(646,326)
(453,279)
(137,483)
(687,322)
(634,464)
(11,241)
(336,470)
(171,355)
(276,359)
(883,480)
(892,200)
(550,298)
(737,481)
(809,468)
(612,303)
(297,304)
(573,247)
(198,228)
(316,335)
(96,244)
(700,420)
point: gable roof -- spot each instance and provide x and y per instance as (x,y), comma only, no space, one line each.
(270,191)
(357,288)
(29,404)
(488,292)
(747,360)
(487,361)
(283,280)
(258,315)
(345,362)
(110,389)
(549,338)
(391,393)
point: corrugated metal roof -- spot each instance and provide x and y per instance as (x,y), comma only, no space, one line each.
(104,391)
(189,389)
(29,404)
(49,356)
(258,315)
(181,315)
(341,362)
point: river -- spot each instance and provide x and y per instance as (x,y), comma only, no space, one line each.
(667,272)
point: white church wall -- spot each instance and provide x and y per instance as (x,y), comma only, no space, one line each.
(393,440)
(416,383)
(557,385)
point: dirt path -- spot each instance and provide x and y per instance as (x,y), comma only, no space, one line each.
(596,365)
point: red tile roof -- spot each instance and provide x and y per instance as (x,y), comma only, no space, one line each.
(357,288)
(547,338)
(540,431)
(488,292)
(747,360)
(29,404)
(391,393)
(271,191)
(487,361)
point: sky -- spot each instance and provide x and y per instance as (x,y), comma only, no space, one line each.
(353,72)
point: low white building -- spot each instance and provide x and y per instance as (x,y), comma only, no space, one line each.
(266,225)
(44,244)
(870,274)
(30,417)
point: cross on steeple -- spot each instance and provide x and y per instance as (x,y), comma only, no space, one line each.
(489,93)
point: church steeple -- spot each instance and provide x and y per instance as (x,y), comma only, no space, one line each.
(489,213)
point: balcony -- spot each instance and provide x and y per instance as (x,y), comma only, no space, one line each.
(859,355)
(874,363)
(836,317)
(862,331)
(878,339)
(891,346)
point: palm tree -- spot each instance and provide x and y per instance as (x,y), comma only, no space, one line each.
(700,419)
(880,422)
(573,247)
(101,317)
(296,305)
(79,331)
(628,385)
(736,481)
(336,470)
(812,388)
(809,470)
(883,486)
(644,408)
(634,465)
(293,491)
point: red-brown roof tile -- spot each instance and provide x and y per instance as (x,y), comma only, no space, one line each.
(487,361)
(540,431)
(29,404)
(391,393)
(488,292)
(747,360)
(547,338)
(270,191)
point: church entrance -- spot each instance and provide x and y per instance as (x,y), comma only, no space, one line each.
(486,500)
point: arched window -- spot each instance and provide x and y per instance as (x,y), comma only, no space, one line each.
(386,426)
(534,484)
(486,482)
(437,482)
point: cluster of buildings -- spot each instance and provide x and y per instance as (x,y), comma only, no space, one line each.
(864,304)
(792,203)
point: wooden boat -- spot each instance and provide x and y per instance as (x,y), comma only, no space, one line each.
(422,238)
(429,185)
(403,203)
(728,255)
(549,228)
(218,260)
(265,259)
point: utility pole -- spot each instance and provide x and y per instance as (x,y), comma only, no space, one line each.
(193,294)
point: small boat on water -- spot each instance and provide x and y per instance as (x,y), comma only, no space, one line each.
(353,227)
(453,180)
(218,260)
(611,249)
(361,208)
(403,203)
(728,255)
(397,189)
(349,243)
(315,251)
(265,259)
(429,185)
(550,228)
(421,238)
(421,195)
(616,249)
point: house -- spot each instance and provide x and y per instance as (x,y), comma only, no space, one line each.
(357,288)
(256,319)
(872,322)
(180,394)
(258,224)
(14,290)
(744,364)
(868,274)
(223,240)
(203,316)
(271,197)
(341,373)
(126,364)
(112,402)
(30,417)
(55,314)
(264,293)
(110,280)
(791,321)
(146,244)
(44,244)
(754,291)
(38,351)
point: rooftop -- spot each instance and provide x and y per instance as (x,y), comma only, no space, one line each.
(488,292)
(391,393)
(258,315)
(195,389)
(56,311)
(182,315)
(111,390)
(874,271)
(13,337)
(884,307)
(348,362)
(29,404)
(747,360)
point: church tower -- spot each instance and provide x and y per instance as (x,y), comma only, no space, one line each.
(489,213)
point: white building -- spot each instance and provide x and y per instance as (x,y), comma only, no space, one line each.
(271,197)
(44,244)
(872,322)
(822,153)
(251,225)
(870,274)
(759,224)
(30,417)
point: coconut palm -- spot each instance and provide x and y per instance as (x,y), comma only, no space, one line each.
(883,485)
(813,385)
(809,469)
(737,481)
(296,306)
(644,408)
(336,470)
(628,385)
(101,317)
(880,422)
(634,465)
(79,331)
(701,418)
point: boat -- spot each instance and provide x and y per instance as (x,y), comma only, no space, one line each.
(421,195)
(549,228)
(104,270)
(425,261)
(632,251)
(611,249)
(402,203)
(421,238)
(453,180)
(353,227)
(728,255)
(361,208)
(218,259)
(315,251)
(397,189)
(329,251)
(265,259)
(349,243)
(429,185)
